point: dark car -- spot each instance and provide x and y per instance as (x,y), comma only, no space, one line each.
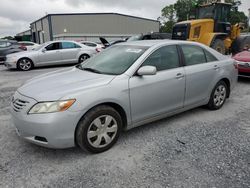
(148,36)
(9,47)
(243,61)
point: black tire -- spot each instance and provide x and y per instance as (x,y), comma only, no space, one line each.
(87,125)
(219,46)
(212,105)
(25,64)
(83,58)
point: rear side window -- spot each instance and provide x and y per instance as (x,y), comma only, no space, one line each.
(89,44)
(53,46)
(193,55)
(210,57)
(164,58)
(68,45)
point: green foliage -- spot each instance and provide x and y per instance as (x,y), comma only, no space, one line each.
(183,9)
(8,38)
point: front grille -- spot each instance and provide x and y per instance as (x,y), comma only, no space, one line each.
(181,32)
(19,104)
(246,65)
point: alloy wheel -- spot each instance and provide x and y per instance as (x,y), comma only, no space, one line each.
(219,95)
(25,64)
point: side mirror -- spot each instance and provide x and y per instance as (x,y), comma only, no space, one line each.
(44,50)
(147,70)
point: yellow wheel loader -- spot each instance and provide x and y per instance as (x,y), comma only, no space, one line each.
(212,28)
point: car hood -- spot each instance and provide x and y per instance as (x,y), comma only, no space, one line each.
(66,82)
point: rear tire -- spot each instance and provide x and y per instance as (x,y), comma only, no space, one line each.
(83,58)
(99,129)
(219,46)
(24,64)
(218,96)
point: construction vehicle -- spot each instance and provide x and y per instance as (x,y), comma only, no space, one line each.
(212,28)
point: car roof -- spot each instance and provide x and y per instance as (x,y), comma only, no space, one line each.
(150,43)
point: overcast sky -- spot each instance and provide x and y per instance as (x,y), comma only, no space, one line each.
(16,15)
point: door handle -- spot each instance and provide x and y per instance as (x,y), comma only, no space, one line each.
(179,76)
(216,67)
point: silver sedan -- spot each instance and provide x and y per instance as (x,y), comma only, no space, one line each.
(125,86)
(50,53)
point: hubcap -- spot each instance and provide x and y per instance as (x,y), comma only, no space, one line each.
(25,64)
(83,58)
(102,131)
(219,95)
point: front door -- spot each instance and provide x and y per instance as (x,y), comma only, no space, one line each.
(51,54)
(161,93)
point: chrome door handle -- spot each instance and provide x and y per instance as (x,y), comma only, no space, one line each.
(179,75)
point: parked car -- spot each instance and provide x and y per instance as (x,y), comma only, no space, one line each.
(50,53)
(126,85)
(9,47)
(98,47)
(29,45)
(243,61)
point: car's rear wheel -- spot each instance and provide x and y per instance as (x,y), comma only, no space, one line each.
(218,96)
(25,64)
(83,58)
(99,129)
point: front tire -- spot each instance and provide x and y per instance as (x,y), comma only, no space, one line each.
(25,64)
(99,129)
(219,46)
(218,96)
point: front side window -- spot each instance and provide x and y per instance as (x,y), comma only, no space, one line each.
(53,46)
(164,58)
(114,60)
(89,44)
(193,55)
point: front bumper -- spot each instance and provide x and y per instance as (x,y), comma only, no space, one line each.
(52,130)
(244,69)
(10,64)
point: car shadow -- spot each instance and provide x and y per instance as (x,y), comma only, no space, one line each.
(243,79)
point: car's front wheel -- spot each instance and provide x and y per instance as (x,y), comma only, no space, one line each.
(218,96)
(99,129)
(24,64)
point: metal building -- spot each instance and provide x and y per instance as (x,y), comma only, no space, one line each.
(90,26)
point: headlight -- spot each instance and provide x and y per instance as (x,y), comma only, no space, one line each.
(49,107)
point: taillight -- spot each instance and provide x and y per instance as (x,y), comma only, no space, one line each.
(22,47)
(98,49)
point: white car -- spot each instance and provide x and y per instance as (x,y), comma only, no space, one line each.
(98,47)
(50,53)
(29,45)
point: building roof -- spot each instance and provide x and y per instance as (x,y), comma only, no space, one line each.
(105,13)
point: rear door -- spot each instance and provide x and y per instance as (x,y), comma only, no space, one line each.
(51,54)
(69,52)
(201,69)
(161,93)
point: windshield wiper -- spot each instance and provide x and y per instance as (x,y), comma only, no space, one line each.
(92,70)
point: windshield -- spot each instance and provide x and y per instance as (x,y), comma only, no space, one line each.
(114,60)
(206,12)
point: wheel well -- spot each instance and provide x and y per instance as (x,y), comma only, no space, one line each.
(25,58)
(117,107)
(228,85)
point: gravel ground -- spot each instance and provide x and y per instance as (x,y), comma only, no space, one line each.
(198,148)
